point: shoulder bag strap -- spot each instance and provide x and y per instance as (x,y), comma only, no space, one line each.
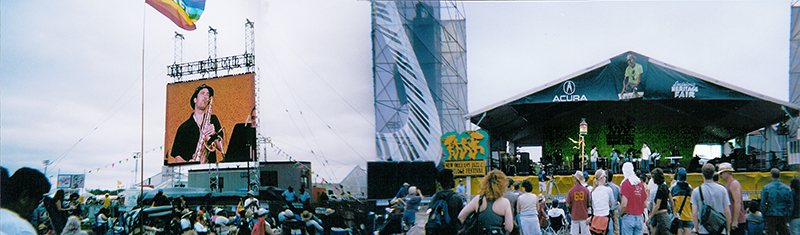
(702,200)
(480,201)
(682,203)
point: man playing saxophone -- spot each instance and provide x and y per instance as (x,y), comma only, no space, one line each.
(199,138)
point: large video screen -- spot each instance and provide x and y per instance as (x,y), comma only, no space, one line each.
(211,120)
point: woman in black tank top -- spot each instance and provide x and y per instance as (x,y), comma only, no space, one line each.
(498,209)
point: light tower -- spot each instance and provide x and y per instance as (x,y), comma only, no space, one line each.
(178,57)
(212,52)
(253,174)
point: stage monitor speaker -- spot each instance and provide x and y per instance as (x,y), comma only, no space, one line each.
(524,167)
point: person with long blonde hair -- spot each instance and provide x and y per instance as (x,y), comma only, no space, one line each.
(490,195)
(602,199)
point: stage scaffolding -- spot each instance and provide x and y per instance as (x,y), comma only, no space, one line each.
(436,44)
(208,68)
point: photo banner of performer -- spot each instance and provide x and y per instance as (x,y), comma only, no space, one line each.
(201,115)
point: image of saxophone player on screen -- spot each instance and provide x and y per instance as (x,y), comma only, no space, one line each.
(199,139)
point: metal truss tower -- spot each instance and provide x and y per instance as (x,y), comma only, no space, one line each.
(249,38)
(413,40)
(249,52)
(178,57)
(213,64)
(212,52)
(212,56)
(178,48)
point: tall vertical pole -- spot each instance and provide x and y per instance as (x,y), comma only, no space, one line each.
(212,50)
(583,155)
(46,162)
(583,131)
(141,141)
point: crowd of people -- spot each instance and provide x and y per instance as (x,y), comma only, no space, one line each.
(28,210)
(250,218)
(642,204)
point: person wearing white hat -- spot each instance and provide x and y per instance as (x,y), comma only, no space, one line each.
(292,224)
(403,191)
(221,222)
(738,222)
(262,226)
(251,203)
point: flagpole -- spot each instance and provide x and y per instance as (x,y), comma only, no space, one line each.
(141,146)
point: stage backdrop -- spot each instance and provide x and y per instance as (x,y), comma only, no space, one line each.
(234,98)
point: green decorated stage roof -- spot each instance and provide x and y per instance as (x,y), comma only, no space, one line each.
(637,89)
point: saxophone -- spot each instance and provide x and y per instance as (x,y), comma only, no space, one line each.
(207,137)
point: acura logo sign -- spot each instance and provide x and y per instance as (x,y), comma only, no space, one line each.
(569,87)
(569,93)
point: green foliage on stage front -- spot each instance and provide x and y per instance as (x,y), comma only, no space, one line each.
(660,139)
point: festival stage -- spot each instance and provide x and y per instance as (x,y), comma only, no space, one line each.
(752,182)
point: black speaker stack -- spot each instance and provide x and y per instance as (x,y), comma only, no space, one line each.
(384,179)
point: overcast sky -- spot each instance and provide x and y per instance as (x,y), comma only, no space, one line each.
(71,71)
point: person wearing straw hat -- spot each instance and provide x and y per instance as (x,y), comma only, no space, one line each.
(186,223)
(738,222)
(334,222)
(578,200)
(311,221)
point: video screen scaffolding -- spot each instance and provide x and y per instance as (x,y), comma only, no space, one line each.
(213,118)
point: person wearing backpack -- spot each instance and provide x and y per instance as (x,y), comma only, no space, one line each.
(444,207)
(680,193)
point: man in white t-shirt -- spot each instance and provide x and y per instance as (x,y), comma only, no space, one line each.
(646,157)
(594,155)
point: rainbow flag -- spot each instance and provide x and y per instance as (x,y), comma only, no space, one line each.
(183,12)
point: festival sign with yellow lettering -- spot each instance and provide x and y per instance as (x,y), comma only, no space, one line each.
(466,153)
(466,168)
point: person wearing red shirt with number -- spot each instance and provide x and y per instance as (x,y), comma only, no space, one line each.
(578,200)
